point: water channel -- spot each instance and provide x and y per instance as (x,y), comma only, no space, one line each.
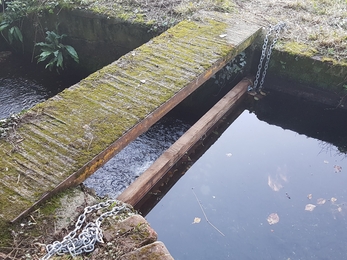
(271,193)
(273,186)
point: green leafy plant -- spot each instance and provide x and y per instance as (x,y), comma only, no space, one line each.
(12,21)
(55,53)
(13,32)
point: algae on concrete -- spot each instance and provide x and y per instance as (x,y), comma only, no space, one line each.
(59,143)
(300,63)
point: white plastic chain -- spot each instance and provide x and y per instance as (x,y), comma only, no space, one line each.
(266,52)
(91,233)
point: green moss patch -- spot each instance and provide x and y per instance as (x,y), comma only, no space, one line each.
(66,134)
(298,63)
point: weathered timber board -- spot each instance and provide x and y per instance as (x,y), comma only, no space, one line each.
(60,142)
(157,171)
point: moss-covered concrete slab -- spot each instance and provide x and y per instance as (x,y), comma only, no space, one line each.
(299,63)
(59,143)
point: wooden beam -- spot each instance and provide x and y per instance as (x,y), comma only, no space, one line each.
(145,182)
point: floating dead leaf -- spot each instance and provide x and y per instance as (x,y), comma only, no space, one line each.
(229,154)
(273,218)
(333,200)
(337,168)
(309,196)
(321,201)
(325,161)
(196,220)
(339,209)
(310,207)
(274,184)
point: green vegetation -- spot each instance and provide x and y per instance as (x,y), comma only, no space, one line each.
(12,20)
(55,52)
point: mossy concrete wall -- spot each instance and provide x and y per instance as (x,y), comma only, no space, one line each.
(314,71)
(61,142)
(318,78)
(99,40)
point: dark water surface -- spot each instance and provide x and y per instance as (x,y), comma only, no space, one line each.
(253,170)
(24,84)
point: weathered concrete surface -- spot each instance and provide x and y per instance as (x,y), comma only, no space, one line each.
(313,71)
(59,143)
(131,238)
(98,39)
(156,250)
(295,70)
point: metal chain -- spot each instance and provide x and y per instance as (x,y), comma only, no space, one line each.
(91,233)
(266,52)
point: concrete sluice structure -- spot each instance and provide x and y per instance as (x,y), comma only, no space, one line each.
(59,143)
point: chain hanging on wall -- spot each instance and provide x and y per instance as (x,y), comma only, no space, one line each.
(74,244)
(266,53)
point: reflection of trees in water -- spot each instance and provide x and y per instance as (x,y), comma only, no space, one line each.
(332,149)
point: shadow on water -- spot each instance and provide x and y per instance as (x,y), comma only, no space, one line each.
(285,159)
(305,117)
(24,84)
(257,170)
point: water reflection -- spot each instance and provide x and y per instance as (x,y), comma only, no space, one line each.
(259,221)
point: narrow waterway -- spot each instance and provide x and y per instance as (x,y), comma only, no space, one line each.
(119,172)
(269,193)
(271,187)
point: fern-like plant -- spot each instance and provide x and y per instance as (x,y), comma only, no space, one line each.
(55,53)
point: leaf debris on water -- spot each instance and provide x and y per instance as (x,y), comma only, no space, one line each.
(321,201)
(310,207)
(273,218)
(337,168)
(309,196)
(333,199)
(196,220)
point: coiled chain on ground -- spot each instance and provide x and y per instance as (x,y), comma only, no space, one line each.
(84,242)
(266,53)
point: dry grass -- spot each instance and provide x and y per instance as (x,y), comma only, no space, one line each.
(320,24)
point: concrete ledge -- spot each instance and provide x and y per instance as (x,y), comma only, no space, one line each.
(153,251)
(59,143)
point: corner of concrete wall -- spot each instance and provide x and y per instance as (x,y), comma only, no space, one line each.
(98,40)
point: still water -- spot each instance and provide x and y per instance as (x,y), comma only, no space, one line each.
(253,172)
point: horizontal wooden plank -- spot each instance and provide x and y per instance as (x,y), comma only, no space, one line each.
(157,171)
(61,142)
